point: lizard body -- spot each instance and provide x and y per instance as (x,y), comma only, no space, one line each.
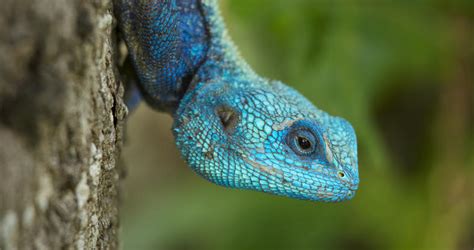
(232,126)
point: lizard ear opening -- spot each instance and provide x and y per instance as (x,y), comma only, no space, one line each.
(228,117)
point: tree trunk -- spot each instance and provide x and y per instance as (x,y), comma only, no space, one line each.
(61,118)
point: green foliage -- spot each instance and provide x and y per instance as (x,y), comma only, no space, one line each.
(399,71)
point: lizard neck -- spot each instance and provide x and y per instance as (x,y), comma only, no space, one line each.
(223,62)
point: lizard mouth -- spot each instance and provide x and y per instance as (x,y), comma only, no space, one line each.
(323,193)
(336,196)
(266,169)
(354,187)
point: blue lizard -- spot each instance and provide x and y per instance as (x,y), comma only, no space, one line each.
(233,127)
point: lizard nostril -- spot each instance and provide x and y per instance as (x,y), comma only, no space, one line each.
(341,174)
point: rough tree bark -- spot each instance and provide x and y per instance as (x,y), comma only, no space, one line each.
(61,117)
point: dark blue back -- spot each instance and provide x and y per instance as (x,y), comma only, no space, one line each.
(167,41)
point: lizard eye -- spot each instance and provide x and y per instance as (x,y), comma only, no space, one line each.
(302,141)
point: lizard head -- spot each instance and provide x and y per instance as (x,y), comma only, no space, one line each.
(266,136)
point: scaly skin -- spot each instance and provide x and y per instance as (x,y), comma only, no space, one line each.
(232,126)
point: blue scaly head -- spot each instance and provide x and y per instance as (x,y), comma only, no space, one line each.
(267,137)
(232,126)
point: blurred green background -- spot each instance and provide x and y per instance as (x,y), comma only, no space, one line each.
(400,71)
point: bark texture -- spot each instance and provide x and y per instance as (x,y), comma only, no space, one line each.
(61,116)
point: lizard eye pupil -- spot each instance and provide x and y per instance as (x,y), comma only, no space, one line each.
(304,143)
